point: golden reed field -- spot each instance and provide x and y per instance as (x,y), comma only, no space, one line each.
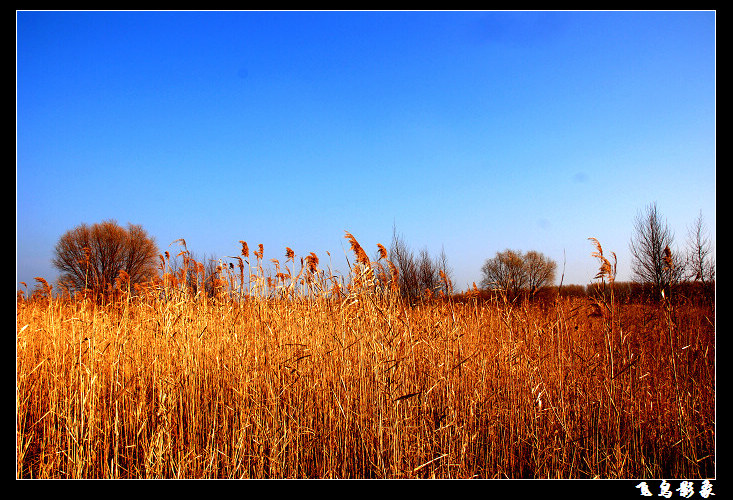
(303,374)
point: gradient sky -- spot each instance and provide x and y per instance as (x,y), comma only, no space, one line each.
(468,131)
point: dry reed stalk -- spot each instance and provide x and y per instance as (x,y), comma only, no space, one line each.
(309,386)
(606,270)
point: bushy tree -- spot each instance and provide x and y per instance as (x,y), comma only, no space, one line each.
(94,257)
(514,272)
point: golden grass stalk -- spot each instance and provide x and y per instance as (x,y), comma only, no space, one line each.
(343,384)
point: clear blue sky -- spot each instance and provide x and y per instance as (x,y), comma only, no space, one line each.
(468,131)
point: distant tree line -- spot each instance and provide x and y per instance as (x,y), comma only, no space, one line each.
(98,259)
(103,256)
(625,292)
(659,271)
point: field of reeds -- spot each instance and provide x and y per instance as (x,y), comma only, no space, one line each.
(303,374)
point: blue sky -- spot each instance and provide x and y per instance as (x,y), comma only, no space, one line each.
(469,131)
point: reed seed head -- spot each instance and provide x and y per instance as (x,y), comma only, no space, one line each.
(361,256)
(312,261)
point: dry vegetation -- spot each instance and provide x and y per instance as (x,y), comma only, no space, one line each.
(303,374)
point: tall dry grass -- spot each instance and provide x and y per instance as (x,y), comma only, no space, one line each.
(312,375)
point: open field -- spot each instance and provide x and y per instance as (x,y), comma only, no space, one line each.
(349,382)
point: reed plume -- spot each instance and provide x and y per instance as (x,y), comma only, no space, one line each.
(312,261)
(382,251)
(606,270)
(361,256)
(45,287)
(668,261)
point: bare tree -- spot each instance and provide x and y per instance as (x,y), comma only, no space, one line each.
(514,272)
(653,261)
(700,261)
(93,257)
(540,271)
(416,274)
(504,272)
(427,271)
(404,260)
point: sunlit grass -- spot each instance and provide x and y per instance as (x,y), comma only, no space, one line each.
(311,375)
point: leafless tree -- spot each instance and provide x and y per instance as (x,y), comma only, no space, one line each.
(94,257)
(700,260)
(418,273)
(427,272)
(513,272)
(653,261)
(402,257)
(504,272)
(540,271)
